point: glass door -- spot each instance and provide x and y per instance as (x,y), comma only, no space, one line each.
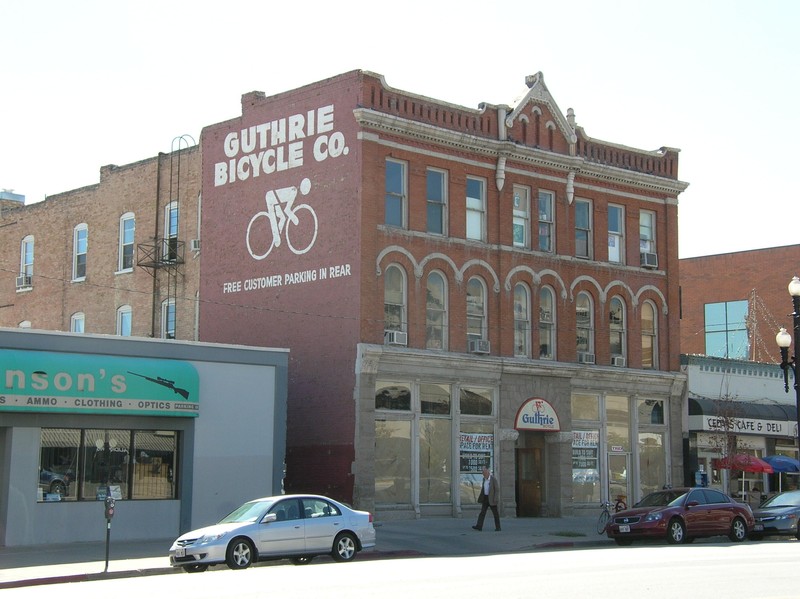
(618,479)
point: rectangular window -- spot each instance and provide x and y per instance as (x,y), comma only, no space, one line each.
(80,464)
(546,221)
(126,236)
(168,320)
(586,466)
(726,330)
(435,468)
(476,209)
(395,199)
(80,246)
(521,215)
(647,234)
(436,191)
(124,321)
(77,322)
(171,252)
(477,402)
(583,229)
(26,260)
(475,450)
(616,234)
(393,462)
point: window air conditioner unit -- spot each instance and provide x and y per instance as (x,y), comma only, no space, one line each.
(649,259)
(479,346)
(585,358)
(194,245)
(395,337)
(23,281)
(618,361)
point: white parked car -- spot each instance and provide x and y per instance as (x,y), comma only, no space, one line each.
(297,527)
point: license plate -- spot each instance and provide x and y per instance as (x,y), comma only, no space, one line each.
(758,527)
(180,552)
(624,528)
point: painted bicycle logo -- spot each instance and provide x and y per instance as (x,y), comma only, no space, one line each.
(283,217)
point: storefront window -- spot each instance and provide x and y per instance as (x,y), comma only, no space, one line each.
(80,464)
(476,450)
(618,427)
(393,461)
(477,402)
(652,462)
(435,468)
(586,466)
(651,411)
(585,407)
(434,399)
(392,396)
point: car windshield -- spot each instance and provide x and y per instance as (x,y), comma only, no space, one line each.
(249,512)
(791,499)
(658,498)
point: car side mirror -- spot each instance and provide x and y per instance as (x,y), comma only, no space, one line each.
(692,503)
(269,518)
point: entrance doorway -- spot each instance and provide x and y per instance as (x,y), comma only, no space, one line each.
(530,489)
(619,478)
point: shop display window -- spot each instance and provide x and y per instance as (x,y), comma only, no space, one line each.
(84,464)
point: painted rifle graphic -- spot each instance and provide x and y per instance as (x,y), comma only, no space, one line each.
(164,383)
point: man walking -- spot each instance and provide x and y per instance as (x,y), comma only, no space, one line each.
(490,490)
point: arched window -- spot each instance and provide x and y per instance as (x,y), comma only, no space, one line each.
(394,299)
(522,320)
(77,322)
(476,310)
(649,336)
(616,326)
(25,324)
(436,312)
(547,320)
(127,228)
(584,327)
(124,321)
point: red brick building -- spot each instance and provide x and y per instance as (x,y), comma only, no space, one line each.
(458,287)
(113,258)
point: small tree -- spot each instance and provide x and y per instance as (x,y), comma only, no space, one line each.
(727,411)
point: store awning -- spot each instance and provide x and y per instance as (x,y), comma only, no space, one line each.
(776,420)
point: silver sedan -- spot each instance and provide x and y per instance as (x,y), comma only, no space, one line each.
(297,527)
(778,515)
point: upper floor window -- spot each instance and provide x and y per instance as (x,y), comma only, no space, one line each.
(171,232)
(476,209)
(616,234)
(521,216)
(436,312)
(547,319)
(726,330)
(124,321)
(80,244)
(583,229)
(394,299)
(522,321)
(26,262)
(168,319)
(647,237)
(127,228)
(476,309)
(436,192)
(616,325)
(395,201)
(546,221)
(77,322)
(649,336)
(584,324)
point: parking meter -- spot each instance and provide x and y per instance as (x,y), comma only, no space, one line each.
(110,502)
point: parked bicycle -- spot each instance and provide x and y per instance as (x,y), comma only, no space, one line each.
(605,514)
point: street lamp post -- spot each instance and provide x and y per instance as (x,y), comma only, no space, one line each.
(784,341)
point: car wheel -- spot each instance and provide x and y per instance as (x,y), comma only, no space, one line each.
(623,542)
(344,548)
(239,554)
(302,560)
(192,568)
(58,488)
(676,532)
(738,530)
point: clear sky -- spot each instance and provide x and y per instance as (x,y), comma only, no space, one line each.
(87,83)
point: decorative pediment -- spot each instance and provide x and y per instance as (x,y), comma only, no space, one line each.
(539,94)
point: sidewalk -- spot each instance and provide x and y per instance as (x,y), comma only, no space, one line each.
(51,564)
